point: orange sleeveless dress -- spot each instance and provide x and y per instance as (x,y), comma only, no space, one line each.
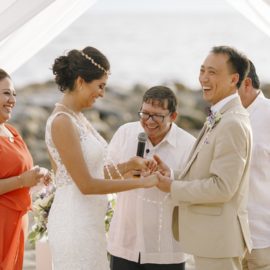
(14,160)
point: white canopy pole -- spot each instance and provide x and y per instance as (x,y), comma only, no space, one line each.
(33,26)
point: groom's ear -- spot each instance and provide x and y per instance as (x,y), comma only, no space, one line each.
(234,79)
(174,116)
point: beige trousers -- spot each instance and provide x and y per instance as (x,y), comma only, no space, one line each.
(258,259)
(202,263)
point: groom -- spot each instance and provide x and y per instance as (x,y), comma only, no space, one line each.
(213,188)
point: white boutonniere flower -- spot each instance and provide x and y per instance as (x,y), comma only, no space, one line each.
(213,119)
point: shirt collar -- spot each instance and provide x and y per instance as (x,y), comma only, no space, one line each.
(255,102)
(170,137)
(215,108)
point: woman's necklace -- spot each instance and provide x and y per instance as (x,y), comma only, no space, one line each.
(7,133)
(78,116)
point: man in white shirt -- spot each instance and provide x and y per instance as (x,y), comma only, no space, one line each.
(140,234)
(259,200)
(212,190)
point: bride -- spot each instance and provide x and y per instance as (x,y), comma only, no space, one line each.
(77,151)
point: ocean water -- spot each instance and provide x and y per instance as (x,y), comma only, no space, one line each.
(153,48)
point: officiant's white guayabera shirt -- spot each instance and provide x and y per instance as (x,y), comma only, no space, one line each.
(141,224)
(259,199)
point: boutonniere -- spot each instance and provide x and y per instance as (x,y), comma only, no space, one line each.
(213,119)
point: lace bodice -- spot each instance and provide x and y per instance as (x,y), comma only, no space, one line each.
(93,147)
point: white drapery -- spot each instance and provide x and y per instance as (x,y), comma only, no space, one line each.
(257,11)
(26,26)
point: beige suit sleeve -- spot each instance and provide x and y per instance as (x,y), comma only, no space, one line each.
(175,174)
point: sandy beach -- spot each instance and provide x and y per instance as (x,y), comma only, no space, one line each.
(30,263)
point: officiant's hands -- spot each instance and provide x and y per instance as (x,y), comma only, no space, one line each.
(138,165)
(144,167)
(142,164)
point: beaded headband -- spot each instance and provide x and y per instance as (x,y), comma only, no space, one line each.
(95,63)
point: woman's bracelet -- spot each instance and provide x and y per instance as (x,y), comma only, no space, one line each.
(20,181)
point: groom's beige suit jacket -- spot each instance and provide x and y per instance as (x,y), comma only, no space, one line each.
(211,219)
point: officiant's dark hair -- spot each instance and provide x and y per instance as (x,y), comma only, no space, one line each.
(237,61)
(89,64)
(164,95)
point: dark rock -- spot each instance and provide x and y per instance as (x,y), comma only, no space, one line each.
(120,105)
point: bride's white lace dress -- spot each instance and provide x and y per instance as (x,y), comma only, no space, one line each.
(76,222)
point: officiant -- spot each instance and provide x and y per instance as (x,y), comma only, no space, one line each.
(140,232)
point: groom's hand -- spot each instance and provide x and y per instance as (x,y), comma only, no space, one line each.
(162,167)
(164,183)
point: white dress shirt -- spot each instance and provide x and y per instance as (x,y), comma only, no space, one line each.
(138,226)
(259,191)
(219,105)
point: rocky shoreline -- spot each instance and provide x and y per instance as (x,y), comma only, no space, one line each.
(36,101)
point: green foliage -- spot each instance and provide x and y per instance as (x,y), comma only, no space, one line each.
(109,213)
(41,209)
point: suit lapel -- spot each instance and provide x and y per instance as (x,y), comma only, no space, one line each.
(201,134)
(194,150)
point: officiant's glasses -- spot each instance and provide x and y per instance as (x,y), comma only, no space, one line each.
(155,117)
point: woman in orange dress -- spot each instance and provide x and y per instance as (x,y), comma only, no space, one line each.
(17,175)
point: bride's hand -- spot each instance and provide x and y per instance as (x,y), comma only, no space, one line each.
(149,181)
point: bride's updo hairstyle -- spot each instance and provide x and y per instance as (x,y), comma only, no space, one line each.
(90,64)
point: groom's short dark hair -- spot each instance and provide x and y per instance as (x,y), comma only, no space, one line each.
(237,61)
